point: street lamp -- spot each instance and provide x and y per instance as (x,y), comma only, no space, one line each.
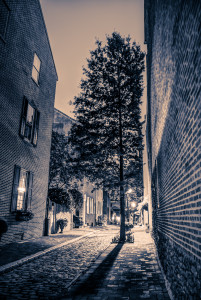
(133,204)
(129,191)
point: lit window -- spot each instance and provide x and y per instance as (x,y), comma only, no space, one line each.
(4,15)
(29,122)
(36,68)
(22,190)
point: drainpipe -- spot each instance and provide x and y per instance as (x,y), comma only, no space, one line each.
(47,220)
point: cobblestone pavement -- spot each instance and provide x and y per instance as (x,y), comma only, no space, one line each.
(49,276)
(129,271)
(14,251)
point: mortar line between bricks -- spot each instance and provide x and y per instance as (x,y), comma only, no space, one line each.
(17,263)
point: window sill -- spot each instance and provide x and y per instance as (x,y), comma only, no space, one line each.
(26,141)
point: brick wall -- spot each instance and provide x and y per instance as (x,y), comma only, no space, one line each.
(173,36)
(26,34)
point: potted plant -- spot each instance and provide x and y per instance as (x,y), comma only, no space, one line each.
(130,237)
(61,223)
(3,227)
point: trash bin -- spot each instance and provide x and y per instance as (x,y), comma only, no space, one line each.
(3,227)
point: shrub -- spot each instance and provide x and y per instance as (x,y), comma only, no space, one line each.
(61,223)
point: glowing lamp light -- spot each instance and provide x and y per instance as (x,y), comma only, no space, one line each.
(133,204)
(118,218)
(21,189)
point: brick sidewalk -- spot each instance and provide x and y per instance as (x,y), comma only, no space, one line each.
(123,271)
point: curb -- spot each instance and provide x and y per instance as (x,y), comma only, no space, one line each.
(90,269)
(17,263)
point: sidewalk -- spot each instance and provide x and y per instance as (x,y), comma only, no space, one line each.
(17,253)
(123,271)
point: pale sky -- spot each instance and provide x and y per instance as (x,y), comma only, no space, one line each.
(74,25)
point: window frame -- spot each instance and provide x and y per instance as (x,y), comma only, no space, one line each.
(34,68)
(34,125)
(88,205)
(3,36)
(27,197)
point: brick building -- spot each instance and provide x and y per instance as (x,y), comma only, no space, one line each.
(92,208)
(173,38)
(27,90)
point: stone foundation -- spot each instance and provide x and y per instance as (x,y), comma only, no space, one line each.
(182,271)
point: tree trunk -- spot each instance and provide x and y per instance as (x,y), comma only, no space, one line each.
(121,167)
(122,202)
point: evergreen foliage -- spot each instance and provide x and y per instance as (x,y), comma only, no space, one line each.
(107,139)
(62,189)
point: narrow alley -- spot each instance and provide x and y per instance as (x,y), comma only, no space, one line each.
(100,149)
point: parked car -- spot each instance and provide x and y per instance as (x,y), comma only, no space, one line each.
(77,222)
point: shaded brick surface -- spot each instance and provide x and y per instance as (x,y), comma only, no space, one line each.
(26,34)
(173,36)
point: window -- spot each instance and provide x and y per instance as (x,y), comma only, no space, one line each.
(88,205)
(29,122)
(92,206)
(4,16)
(22,190)
(36,68)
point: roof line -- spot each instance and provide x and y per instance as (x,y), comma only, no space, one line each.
(48,38)
(64,114)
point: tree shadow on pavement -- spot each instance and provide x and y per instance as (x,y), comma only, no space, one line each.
(95,279)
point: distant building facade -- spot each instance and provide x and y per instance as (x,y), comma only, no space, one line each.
(173,37)
(106,207)
(27,91)
(92,208)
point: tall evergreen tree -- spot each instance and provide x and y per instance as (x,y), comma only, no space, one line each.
(107,140)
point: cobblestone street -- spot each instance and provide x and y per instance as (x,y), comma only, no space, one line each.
(49,276)
(90,268)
